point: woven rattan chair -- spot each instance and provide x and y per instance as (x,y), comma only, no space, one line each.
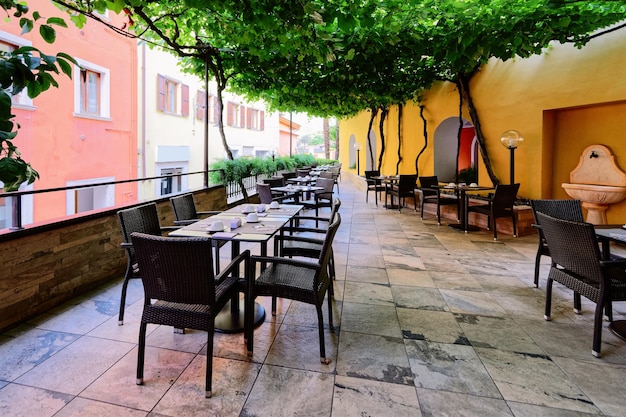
(266,197)
(308,241)
(306,281)
(561,209)
(181,289)
(185,213)
(374,185)
(577,264)
(143,219)
(320,198)
(403,189)
(431,194)
(289,175)
(499,205)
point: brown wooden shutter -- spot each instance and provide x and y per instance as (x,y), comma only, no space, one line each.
(200,104)
(216,109)
(230,119)
(242,117)
(262,121)
(184,109)
(161,92)
(249,113)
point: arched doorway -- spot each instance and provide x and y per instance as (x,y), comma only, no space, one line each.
(445,151)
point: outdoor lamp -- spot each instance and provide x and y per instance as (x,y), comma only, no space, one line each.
(511,139)
(357,147)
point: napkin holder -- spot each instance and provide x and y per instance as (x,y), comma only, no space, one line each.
(235,223)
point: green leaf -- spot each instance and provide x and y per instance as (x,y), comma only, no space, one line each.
(56,21)
(47,33)
(26,25)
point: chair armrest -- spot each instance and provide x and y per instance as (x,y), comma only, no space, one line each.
(254,259)
(234,266)
(292,229)
(126,245)
(615,261)
(299,239)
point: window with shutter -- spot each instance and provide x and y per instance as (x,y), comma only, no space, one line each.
(200,104)
(262,121)
(92,90)
(216,110)
(230,113)
(184,105)
(161,93)
(242,116)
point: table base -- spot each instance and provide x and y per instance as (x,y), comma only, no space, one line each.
(618,327)
(226,322)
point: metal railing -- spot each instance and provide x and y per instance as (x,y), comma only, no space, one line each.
(16,196)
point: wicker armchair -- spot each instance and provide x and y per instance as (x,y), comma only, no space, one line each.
(306,281)
(373,184)
(431,194)
(499,205)
(266,197)
(309,241)
(561,209)
(321,198)
(143,219)
(181,289)
(579,267)
(403,189)
(185,213)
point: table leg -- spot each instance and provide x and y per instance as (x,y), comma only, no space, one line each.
(232,318)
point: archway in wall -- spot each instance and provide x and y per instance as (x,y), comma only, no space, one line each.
(352,152)
(445,144)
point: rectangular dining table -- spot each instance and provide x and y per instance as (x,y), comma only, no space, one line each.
(607,234)
(296,190)
(270,222)
(462,190)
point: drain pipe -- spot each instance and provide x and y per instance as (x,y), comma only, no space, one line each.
(143,110)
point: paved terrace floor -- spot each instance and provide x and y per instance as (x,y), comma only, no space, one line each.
(428,322)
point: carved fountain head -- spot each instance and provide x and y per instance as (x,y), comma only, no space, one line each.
(597,181)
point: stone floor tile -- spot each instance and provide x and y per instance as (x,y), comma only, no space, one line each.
(449,367)
(285,392)
(364,397)
(445,403)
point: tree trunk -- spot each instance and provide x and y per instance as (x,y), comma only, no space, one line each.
(381,125)
(458,134)
(369,131)
(326,133)
(425,139)
(400,107)
(464,81)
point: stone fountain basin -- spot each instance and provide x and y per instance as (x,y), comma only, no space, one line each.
(595,193)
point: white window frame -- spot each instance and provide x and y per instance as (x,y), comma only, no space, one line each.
(105,90)
(103,195)
(21,100)
(182,167)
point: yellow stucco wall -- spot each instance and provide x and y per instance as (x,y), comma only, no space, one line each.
(561,102)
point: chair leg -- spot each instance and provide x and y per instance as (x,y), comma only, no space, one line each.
(127,277)
(209,362)
(537,266)
(597,328)
(141,352)
(577,304)
(546,314)
(495,228)
(320,327)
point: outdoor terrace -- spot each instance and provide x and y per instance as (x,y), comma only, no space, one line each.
(428,321)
